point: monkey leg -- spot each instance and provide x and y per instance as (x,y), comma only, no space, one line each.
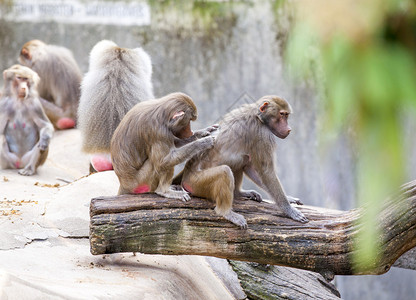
(216,184)
(10,160)
(60,118)
(165,189)
(32,159)
(244,194)
(146,179)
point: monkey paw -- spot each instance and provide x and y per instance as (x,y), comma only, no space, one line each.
(249,195)
(206,131)
(294,200)
(186,197)
(43,145)
(26,172)
(172,194)
(236,218)
(297,215)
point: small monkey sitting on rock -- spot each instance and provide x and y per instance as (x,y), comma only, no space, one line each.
(25,128)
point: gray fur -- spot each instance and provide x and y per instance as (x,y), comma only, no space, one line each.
(118,78)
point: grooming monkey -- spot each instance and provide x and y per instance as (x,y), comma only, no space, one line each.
(246,145)
(60,79)
(23,122)
(117,79)
(152,138)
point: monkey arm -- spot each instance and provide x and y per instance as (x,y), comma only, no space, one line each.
(3,122)
(179,155)
(272,185)
(251,173)
(197,135)
(46,129)
(181,142)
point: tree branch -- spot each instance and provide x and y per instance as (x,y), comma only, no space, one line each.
(150,224)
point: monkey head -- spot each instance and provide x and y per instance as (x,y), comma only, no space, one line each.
(182,113)
(274,112)
(20,81)
(26,54)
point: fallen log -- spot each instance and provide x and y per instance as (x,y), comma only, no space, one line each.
(151,224)
(277,282)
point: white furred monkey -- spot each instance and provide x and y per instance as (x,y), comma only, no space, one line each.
(117,79)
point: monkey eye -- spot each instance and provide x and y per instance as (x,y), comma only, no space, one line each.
(284,114)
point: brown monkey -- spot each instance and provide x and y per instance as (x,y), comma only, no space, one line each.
(60,80)
(23,122)
(245,145)
(144,146)
(117,79)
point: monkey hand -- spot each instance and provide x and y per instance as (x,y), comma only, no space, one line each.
(294,200)
(205,143)
(248,195)
(206,131)
(43,143)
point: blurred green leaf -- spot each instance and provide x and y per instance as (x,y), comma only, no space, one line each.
(369,80)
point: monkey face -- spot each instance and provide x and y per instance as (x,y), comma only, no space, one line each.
(21,80)
(275,117)
(21,86)
(180,125)
(279,124)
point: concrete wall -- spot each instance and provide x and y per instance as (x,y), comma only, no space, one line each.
(223,55)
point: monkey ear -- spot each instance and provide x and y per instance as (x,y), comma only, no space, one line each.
(263,106)
(36,79)
(177,115)
(26,53)
(7,74)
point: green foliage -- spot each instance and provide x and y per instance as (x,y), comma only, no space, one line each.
(364,65)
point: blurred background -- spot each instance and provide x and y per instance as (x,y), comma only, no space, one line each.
(348,70)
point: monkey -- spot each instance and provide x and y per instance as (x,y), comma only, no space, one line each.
(151,139)
(117,79)
(59,87)
(244,144)
(25,128)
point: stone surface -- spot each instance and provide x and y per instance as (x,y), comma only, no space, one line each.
(44,246)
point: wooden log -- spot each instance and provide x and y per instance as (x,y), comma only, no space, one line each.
(407,260)
(277,282)
(151,224)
